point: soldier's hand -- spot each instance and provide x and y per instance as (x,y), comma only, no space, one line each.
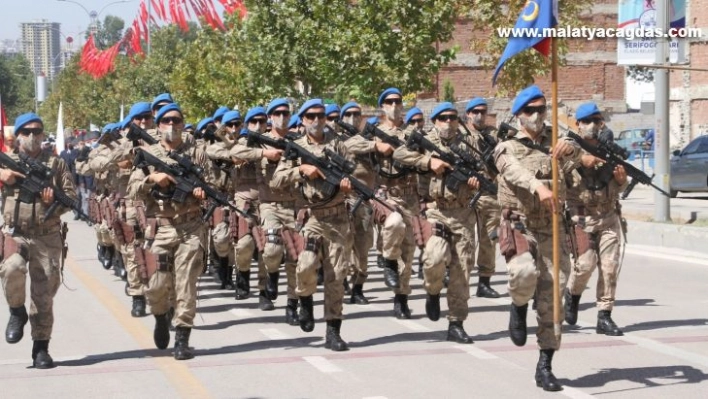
(8,176)
(545,195)
(237,161)
(473,183)
(438,166)
(127,164)
(199,193)
(345,185)
(272,154)
(562,149)
(310,172)
(620,174)
(47,196)
(384,148)
(162,179)
(590,161)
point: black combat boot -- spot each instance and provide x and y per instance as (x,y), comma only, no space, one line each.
(182,351)
(264,302)
(291,313)
(358,295)
(333,340)
(517,324)
(456,333)
(271,287)
(224,273)
(138,306)
(108,254)
(484,290)
(421,276)
(243,284)
(391,273)
(100,252)
(380,261)
(570,307)
(400,307)
(347,288)
(320,276)
(432,307)
(544,373)
(230,276)
(16,325)
(307,317)
(605,324)
(40,355)
(161,334)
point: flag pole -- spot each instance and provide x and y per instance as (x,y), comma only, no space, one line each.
(556,232)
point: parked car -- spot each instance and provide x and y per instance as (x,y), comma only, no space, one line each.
(633,140)
(689,167)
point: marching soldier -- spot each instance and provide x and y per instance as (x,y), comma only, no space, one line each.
(219,114)
(526,231)
(160,101)
(332,112)
(32,243)
(594,209)
(415,119)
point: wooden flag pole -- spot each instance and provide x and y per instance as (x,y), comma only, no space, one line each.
(556,232)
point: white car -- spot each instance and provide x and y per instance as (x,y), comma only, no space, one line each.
(689,167)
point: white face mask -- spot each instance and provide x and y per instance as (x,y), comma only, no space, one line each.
(531,123)
(393,112)
(590,131)
(280,122)
(314,130)
(170,132)
(30,144)
(478,121)
(352,120)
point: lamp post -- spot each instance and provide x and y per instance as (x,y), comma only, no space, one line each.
(93,14)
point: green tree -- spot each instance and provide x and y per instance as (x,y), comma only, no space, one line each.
(16,85)
(448,91)
(108,32)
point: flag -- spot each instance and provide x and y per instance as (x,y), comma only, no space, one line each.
(3,122)
(60,130)
(538,15)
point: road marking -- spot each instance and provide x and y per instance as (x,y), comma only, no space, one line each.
(274,333)
(574,393)
(477,352)
(241,313)
(177,372)
(322,364)
(412,325)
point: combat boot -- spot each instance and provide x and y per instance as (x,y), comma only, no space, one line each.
(224,273)
(432,307)
(400,307)
(380,261)
(16,325)
(358,295)
(264,303)
(291,313)
(421,276)
(347,288)
(182,350)
(161,334)
(100,252)
(40,355)
(544,373)
(138,306)
(333,340)
(243,284)
(605,324)
(108,254)
(456,333)
(271,286)
(320,276)
(307,317)
(517,324)
(484,290)
(391,273)
(570,307)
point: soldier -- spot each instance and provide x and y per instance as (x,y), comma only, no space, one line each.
(525,196)
(327,229)
(159,101)
(453,224)
(101,208)
(415,119)
(175,235)
(487,205)
(219,114)
(332,112)
(202,126)
(594,210)
(189,129)
(33,244)
(295,126)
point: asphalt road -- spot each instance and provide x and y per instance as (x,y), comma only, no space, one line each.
(241,352)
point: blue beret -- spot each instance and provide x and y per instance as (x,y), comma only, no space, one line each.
(374,120)
(25,119)
(331,108)
(231,116)
(315,102)
(586,110)
(108,127)
(161,98)
(524,97)
(411,113)
(126,122)
(388,92)
(139,109)
(278,102)
(220,113)
(188,126)
(167,108)
(202,123)
(254,112)
(243,132)
(346,107)
(475,102)
(442,107)
(294,122)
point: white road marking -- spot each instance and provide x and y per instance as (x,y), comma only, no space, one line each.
(647,252)
(574,393)
(274,333)
(412,325)
(322,364)
(241,313)
(477,352)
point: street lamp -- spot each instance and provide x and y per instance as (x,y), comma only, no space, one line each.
(92,13)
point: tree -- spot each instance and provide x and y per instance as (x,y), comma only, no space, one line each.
(109,32)
(16,85)
(448,91)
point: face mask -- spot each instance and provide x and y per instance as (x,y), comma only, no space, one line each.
(446,133)
(478,121)
(590,131)
(313,130)
(29,144)
(352,120)
(280,122)
(170,133)
(393,112)
(532,124)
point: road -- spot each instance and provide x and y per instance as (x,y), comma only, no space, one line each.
(242,352)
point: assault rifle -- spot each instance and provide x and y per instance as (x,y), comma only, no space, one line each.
(488,155)
(615,155)
(463,166)
(210,134)
(136,133)
(187,176)
(38,177)
(372,131)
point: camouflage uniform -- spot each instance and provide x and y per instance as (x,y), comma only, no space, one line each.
(103,162)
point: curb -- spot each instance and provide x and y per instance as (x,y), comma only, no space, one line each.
(683,237)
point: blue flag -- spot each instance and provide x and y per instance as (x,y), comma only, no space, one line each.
(536,16)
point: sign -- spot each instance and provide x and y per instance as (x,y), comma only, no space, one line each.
(637,18)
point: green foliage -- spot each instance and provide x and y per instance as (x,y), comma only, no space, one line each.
(16,85)
(108,32)
(448,91)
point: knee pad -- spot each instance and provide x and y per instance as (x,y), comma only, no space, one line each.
(437,252)
(14,264)
(395,224)
(221,238)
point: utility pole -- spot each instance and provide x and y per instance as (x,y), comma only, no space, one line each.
(662,209)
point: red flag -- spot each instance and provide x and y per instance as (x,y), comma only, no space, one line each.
(3,122)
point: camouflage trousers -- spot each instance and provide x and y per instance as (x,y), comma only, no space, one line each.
(136,285)
(104,234)
(488,210)
(363,233)
(275,217)
(532,272)
(44,268)
(183,246)
(604,252)
(333,235)
(396,238)
(455,252)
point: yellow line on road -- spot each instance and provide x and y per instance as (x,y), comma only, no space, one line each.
(186,383)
